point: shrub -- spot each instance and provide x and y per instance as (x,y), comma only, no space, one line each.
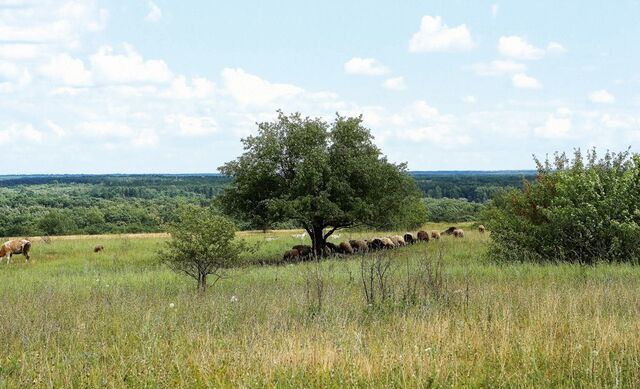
(575,210)
(452,210)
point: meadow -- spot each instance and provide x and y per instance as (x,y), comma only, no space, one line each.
(451,318)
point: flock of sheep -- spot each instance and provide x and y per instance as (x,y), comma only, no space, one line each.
(303,252)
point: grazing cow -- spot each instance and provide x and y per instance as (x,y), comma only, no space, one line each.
(8,249)
(481,229)
(291,255)
(98,248)
(435,235)
(458,233)
(449,231)
(409,238)
(423,236)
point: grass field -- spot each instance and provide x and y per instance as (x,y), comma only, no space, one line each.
(75,318)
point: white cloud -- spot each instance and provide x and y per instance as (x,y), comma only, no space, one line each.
(128,67)
(16,132)
(557,125)
(193,126)
(365,67)
(395,83)
(498,68)
(469,99)
(20,51)
(56,129)
(518,48)
(66,70)
(248,89)
(180,89)
(155,13)
(145,138)
(521,80)
(105,129)
(494,9)
(601,97)
(434,36)
(555,47)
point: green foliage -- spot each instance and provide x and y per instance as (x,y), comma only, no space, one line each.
(575,210)
(473,186)
(202,243)
(452,210)
(320,175)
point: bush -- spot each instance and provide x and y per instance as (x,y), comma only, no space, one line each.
(452,210)
(575,210)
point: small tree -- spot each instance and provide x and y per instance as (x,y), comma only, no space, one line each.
(202,244)
(322,176)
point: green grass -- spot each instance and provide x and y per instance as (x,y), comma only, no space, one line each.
(72,318)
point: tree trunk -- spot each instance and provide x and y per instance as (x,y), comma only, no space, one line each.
(318,241)
(202,282)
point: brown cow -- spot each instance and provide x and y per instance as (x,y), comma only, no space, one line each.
(98,248)
(8,249)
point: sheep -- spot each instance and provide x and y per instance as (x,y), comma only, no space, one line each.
(291,255)
(449,231)
(481,229)
(376,244)
(346,248)
(387,243)
(423,236)
(98,248)
(303,250)
(409,238)
(331,248)
(435,235)
(359,246)
(458,233)
(397,240)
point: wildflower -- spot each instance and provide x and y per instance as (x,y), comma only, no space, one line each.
(171,305)
(234,299)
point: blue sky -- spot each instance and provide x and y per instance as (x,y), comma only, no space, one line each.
(90,86)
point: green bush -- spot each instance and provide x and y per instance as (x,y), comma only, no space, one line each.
(576,210)
(452,210)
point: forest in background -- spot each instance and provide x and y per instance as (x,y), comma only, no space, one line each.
(100,204)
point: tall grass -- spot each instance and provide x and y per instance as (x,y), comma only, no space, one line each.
(75,318)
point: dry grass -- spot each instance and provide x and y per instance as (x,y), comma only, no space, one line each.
(74,318)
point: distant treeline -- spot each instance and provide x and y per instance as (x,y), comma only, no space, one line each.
(97,204)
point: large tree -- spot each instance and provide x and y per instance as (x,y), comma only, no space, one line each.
(324,176)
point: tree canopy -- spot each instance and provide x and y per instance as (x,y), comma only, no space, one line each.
(321,175)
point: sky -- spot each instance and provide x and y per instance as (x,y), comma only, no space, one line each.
(139,86)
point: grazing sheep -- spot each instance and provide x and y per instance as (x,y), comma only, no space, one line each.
(331,248)
(346,248)
(387,243)
(359,246)
(98,248)
(303,250)
(291,255)
(481,229)
(397,240)
(376,244)
(458,233)
(409,238)
(423,236)
(435,235)
(449,231)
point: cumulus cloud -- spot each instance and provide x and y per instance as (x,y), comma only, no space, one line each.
(521,80)
(66,70)
(105,129)
(249,89)
(498,68)
(518,48)
(365,67)
(555,47)
(155,13)
(127,67)
(395,83)
(193,126)
(20,131)
(601,97)
(557,125)
(435,36)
